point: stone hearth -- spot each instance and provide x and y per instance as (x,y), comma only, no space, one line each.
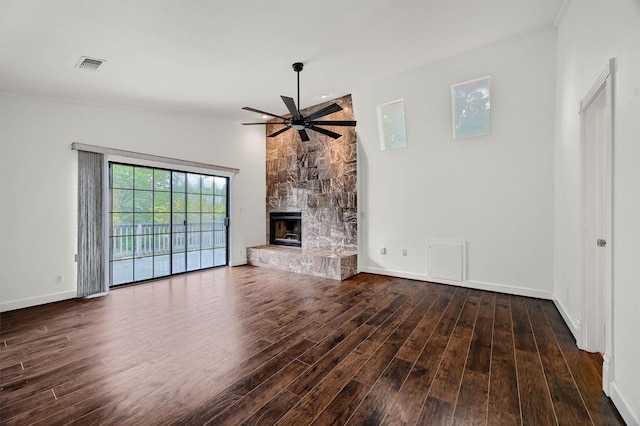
(319,263)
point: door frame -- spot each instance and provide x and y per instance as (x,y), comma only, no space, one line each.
(589,324)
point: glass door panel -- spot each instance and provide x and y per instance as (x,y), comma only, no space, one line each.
(122,238)
(179,223)
(220,202)
(194,198)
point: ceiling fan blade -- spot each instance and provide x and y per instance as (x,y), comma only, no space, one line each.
(262,112)
(333,123)
(263,123)
(325,132)
(324,111)
(303,135)
(274,134)
(291,106)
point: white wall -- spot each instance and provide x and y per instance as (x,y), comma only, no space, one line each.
(589,33)
(495,192)
(38,187)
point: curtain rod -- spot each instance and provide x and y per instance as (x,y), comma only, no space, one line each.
(123,153)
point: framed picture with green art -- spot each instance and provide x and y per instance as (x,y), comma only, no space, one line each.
(391,125)
(471,108)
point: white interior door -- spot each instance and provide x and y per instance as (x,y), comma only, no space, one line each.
(595,222)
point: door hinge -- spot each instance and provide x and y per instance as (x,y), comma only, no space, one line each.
(226,221)
(601,243)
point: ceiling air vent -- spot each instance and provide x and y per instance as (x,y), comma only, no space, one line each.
(90,64)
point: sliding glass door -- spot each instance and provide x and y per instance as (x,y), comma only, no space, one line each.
(165,222)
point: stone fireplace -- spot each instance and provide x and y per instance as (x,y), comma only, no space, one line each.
(285,229)
(316,179)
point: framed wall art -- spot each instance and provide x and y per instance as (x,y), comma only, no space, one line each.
(391,125)
(471,108)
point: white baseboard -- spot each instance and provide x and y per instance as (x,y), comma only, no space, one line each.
(510,289)
(607,374)
(393,273)
(573,325)
(478,285)
(38,300)
(625,409)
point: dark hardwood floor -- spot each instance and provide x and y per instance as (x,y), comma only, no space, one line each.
(256,346)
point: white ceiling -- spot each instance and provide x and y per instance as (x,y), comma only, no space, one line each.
(213,57)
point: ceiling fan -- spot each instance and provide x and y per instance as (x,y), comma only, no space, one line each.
(302,123)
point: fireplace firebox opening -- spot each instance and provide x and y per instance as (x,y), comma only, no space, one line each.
(285,228)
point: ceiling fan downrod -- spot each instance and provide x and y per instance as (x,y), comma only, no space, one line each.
(297,67)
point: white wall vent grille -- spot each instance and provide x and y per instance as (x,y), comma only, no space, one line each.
(90,64)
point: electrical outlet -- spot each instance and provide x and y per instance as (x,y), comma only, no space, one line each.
(404,252)
(383,250)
